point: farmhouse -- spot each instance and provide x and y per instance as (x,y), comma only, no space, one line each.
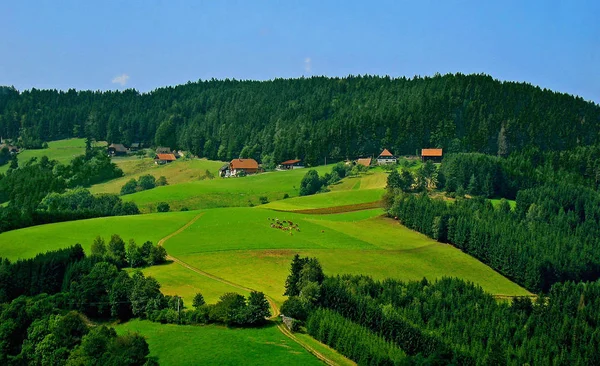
(117,149)
(135,146)
(386,157)
(248,166)
(164,158)
(11,149)
(364,161)
(291,164)
(434,155)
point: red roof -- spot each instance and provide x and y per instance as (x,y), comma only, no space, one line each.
(431,152)
(290,162)
(244,164)
(386,152)
(364,161)
(166,157)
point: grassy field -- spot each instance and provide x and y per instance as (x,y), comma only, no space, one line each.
(180,171)
(62,150)
(328,199)
(218,345)
(354,242)
(224,192)
(177,280)
(28,242)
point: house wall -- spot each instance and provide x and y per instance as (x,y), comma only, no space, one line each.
(386,160)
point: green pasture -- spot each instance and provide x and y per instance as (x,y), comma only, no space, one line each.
(62,150)
(28,242)
(218,345)
(239,245)
(180,171)
(328,199)
(224,192)
(175,279)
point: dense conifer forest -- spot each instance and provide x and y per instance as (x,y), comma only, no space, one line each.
(311,118)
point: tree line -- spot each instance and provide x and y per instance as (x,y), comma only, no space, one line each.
(312,118)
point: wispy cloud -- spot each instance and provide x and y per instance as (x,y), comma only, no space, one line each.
(121,79)
(308,65)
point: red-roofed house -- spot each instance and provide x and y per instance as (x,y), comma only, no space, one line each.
(291,164)
(164,158)
(386,157)
(249,166)
(434,155)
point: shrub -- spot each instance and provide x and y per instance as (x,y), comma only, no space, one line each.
(146,182)
(163,207)
(161,181)
(129,187)
(263,200)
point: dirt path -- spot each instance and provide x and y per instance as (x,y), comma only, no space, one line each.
(274,307)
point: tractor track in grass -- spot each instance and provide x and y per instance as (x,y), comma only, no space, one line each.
(275,309)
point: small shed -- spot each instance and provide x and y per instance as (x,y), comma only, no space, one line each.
(434,155)
(164,158)
(291,164)
(117,149)
(249,166)
(364,162)
(386,157)
(135,146)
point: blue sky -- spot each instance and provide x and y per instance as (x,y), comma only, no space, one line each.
(153,43)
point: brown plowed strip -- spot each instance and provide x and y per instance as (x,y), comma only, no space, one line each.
(275,309)
(337,209)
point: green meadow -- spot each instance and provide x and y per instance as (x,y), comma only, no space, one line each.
(62,150)
(218,345)
(175,279)
(223,192)
(354,242)
(28,242)
(180,171)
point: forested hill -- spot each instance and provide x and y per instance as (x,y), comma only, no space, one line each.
(312,118)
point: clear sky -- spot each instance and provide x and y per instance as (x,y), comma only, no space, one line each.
(145,44)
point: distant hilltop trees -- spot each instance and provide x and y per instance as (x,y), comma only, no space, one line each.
(312,118)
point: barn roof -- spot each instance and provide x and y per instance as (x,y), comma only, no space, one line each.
(118,147)
(386,152)
(431,152)
(166,157)
(364,161)
(244,164)
(290,162)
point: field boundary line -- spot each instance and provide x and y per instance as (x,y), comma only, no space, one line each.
(272,304)
(334,209)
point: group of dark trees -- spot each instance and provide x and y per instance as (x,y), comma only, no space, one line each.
(312,117)
(449,321)
(312,183)
(43,301)
(36,192)
(142,183)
